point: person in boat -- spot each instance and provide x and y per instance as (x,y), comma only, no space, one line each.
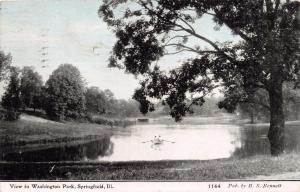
(160,139)
(157,140)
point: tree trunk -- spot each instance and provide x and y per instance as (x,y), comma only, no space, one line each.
(276,130)
(252,117)
(297,111)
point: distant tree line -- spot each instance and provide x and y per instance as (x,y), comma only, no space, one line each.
(256,106)
(209,108)
(103,102)
(63,96)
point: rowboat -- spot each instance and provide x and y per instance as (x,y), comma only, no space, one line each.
(157,141)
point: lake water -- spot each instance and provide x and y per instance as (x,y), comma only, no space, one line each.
(183,142)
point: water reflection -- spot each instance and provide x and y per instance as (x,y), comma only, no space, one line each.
(254,141)
(192,142)
(99,148)
(87,151)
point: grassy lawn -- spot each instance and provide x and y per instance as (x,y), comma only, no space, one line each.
(222,169)
(197,170)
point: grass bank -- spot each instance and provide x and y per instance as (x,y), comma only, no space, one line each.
(35,130)
(222,169)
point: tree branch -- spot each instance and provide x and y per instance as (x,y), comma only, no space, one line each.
(259,103)
(177,30)
(262,86)
(189,48)
(277,3)
(177,36)
(269,6)
(205,12)
(174,53)
(215,46)
(190,26)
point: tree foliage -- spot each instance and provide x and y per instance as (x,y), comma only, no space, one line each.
(31,88)
(11,99)
(127,108)
(65,93)
(266,56)
(5,61)
(95,101)
(103,102)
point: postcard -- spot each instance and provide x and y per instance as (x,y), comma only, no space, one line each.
(149,95)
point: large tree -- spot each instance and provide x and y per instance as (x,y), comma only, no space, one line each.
(266,56)
(65,93)
(11,99)
(31,88)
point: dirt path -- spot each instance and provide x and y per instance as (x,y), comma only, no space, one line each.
(283,176)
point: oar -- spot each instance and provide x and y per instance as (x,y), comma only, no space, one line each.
(169,141)
(147,141)
(51,168)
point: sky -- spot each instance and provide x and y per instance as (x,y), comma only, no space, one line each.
(47,33)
